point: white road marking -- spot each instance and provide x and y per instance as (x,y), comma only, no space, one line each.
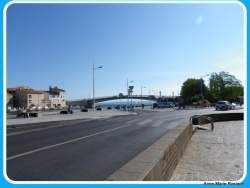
(145,122)
(40,129)
(157,123)
(132,121)
(67,142)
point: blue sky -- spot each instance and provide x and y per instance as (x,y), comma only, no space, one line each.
(158,46)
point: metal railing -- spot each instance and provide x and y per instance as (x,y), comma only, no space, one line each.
(198,117)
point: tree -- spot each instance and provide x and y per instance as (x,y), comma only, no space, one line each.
(223,86)
(191,89)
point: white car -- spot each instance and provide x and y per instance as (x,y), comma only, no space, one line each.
(233,105)
(223,105)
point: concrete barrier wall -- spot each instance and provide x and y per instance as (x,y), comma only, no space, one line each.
(219,117)
(158,162)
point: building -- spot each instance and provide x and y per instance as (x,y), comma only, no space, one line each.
(29,98)
(25,97)
(9,100)
(57,97)
(46,102)
(11,95)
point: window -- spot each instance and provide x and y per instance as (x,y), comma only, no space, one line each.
(30,96)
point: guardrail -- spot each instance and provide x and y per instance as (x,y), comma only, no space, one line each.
(191,120)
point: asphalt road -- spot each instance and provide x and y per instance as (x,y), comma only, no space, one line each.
(85,150)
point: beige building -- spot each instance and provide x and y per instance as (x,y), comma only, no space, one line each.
(11,95)
(9,100)
(46,102)
(25,97)
(29,98)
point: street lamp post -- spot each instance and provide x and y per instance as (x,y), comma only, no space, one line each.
(201,90)
(141,95)
(94,68)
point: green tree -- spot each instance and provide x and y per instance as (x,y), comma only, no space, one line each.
(223,86)
(191,89)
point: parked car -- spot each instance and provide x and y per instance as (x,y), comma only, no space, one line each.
(223,105)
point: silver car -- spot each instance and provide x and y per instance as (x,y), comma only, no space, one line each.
(223,105)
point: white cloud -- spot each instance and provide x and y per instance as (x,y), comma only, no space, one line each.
(199,20)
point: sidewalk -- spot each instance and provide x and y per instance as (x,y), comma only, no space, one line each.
(213,155)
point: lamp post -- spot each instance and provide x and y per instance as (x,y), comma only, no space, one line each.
(141,95)
(201,90)
(128,90)
(131,91)
(94,68)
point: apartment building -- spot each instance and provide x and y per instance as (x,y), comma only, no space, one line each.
(57,97)
(29,98)
(11,95)
(9,100)
(25,97)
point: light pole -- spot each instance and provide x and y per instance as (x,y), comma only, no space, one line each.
(128,90)
(141,95)
(94,68)
(201,90)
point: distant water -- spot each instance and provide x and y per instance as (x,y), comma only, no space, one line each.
(121,102)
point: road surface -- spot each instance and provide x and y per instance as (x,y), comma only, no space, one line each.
(86,150)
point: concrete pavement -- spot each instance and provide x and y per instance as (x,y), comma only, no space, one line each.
(214,155)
